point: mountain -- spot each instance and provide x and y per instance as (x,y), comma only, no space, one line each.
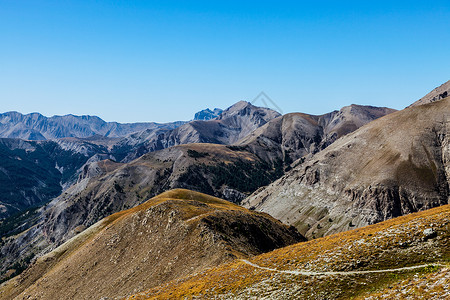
(441,92)
(207,114)
(403,258)
(395,165)
(292,136)
(35,126)
(284,138)
(233,124)
(172,235)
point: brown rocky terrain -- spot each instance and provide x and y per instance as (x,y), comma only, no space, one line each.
(395,165)
(175,234)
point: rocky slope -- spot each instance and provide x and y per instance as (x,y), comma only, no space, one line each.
(403,258)
(393,166)
(295,135)
(35,126)
(172,235)
(441,92)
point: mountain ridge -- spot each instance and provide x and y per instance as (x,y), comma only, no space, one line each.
(35,126)
(392,166)
(228,171)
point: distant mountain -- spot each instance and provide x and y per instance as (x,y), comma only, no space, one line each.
(33,172)
(395,165)
(172,235)
(441,92)
(232,125)
(35,126)
(207,114)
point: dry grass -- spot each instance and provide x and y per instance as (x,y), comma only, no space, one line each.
(391,244)
(168,237)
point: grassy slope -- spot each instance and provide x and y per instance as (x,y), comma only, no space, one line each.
(117,254)
(391,244)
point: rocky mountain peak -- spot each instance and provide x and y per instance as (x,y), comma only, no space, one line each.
(207,114)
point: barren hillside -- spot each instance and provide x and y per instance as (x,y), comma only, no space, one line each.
(172,235)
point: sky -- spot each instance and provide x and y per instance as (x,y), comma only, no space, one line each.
(135,61)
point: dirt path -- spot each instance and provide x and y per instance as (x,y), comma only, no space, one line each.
(307,273)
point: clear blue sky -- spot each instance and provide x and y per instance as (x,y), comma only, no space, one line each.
(164,60)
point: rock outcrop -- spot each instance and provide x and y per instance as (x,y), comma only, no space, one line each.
(439,93)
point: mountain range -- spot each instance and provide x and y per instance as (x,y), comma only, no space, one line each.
(322,175)
(35,126)
(231,172)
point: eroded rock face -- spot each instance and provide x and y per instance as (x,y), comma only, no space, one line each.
(170,236)
(395,165)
